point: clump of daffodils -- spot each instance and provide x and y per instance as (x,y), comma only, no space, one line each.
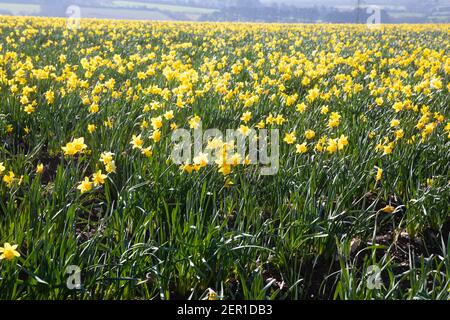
(74,147)
(98,178)
(106,158)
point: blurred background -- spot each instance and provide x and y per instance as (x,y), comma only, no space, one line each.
(285,11)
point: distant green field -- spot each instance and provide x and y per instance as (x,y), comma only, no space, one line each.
(364,6)
(115,13)
(163,7)
(19,8)
(398,15)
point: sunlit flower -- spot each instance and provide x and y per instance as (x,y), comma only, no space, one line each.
(194,122)
(334,119)
(39,168)
(156,123)
(310,134)
(137,142)
(379,101)
(85,185)
(332,145)
(379,174)
(342,142)
(9,179)
(169,115)
(324,110)
(289,138)
(156,136)
(74,147)
(98,178)
(244,130)
(301,148)
(201,159)
(91,128)
(388,209)
(301,107)
(148,152)
(9,252)
(246,116)
(110,167)
(395,123)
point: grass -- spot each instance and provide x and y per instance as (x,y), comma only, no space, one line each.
(20,8)
(154,231)
(164,7)
(122,14)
